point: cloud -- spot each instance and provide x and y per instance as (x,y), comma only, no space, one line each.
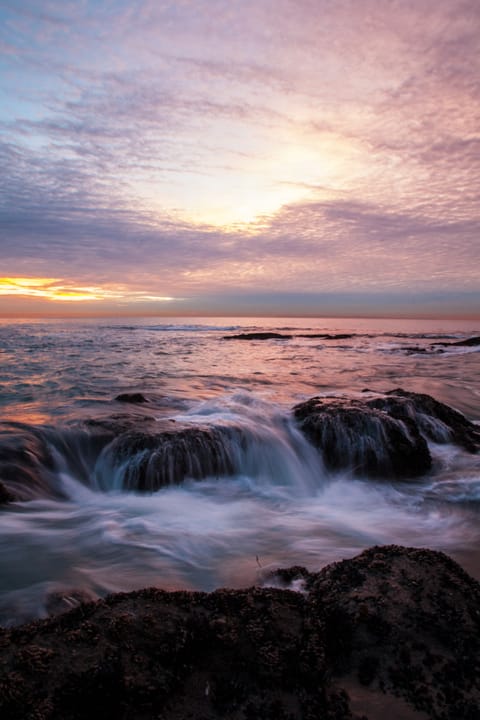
(139,138)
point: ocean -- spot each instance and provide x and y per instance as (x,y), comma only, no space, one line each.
(79,397)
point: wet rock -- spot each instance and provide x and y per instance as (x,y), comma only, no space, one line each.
(147,461)
(231,654)
(469,342)
(283,336)
(402,622)
(113,425)
(60,601)
(414,350)
(134,398)
(437,421)
(26,464)
(327,336)
(5,495)
(407,622)
(258,336)
(128,452)
(353,435)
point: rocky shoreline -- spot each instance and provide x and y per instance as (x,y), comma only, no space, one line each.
(380,435)
(394,631)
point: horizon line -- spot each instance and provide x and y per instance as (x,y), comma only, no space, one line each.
(354,316)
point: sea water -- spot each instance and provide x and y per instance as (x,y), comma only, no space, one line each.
(279,507)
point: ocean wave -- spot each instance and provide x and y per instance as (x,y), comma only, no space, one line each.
(174,328)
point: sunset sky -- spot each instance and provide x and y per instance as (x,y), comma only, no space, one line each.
(240,157)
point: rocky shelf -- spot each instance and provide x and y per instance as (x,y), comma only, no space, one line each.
(392,631)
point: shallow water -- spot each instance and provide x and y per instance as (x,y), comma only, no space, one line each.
(280,507)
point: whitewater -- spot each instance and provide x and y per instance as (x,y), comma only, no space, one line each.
(86,526)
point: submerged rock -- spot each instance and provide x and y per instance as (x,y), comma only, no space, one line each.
(135,398)
(258,336)
(283,336)
(468,342)
(437,421)
(327,336)
(402,622)
(352,435)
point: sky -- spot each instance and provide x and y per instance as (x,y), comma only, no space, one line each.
(250,157)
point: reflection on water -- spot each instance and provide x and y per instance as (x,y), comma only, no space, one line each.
(60,369)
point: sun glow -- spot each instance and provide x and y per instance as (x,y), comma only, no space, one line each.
(55,289)
(291,170)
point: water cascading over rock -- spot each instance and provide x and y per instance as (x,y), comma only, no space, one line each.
(437,421)
(26,465)
(146,462)
(351,435)
(379,436)
(386,435)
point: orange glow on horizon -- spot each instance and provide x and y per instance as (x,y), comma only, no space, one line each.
(54,289)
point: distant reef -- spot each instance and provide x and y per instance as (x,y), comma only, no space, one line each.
(469,342)
(283,336)
(392,633)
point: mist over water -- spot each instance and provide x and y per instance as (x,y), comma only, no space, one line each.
(277,505)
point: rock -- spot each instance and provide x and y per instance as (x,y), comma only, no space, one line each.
(128,452)
(26,464)
(152,654)
(402,622)
(148,461)
(135,398)
(113,425)
(437,421)
(61,601)
(353,435)
(258,336)
(323,336)
(414,350)
(5,495)
(407,622)
(469,342)
(282,336)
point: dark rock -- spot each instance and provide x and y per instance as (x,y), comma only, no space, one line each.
(323,336)
(258,336)
(26,464)
(282,336)
(437,421)
(351,434)
(469,342)
(414,350)
(60,601)
(231,654)
(135,398)
(5,495)
(142,453)
(114,425)
(151,460)
(406,622)
(403,622)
